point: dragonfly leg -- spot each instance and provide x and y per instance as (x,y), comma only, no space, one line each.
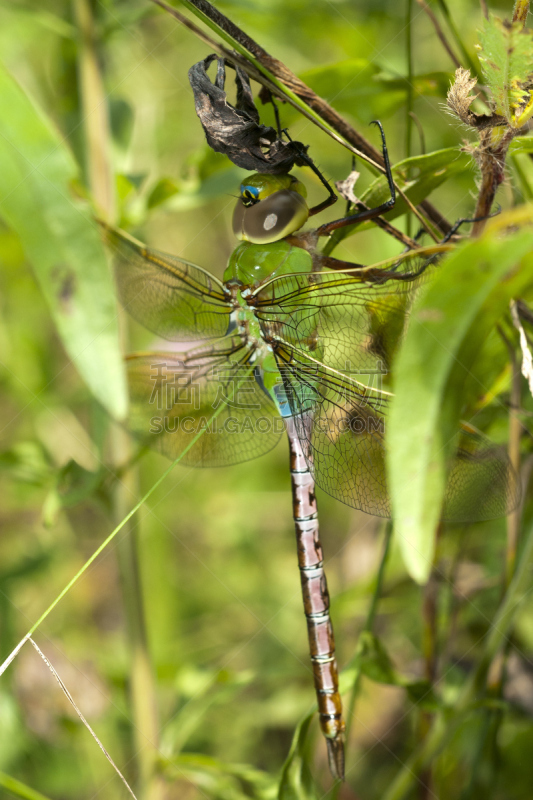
(316,604)
(364,212)
(456,225)
(368,273)
(329,201)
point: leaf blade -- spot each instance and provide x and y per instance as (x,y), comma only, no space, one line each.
(61,242)
(448,327)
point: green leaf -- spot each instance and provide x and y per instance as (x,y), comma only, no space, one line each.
(76,484)
(61,241)
(163,189)
(375,662)
(19,789)
(121,119)
(417,177)
(26,462)
(507,61)
(421,694)
(356,85)
(350,78)
(521,144)
(296,782)
(449,324)
(216,778)
(26,567)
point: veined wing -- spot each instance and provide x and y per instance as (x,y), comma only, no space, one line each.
(351,325)
(341,425)
(481,481)
(175,395)
(171,297)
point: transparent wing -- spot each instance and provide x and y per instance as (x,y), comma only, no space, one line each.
(333,338)
(481,482)
(175,395)
(169,296)
(341,425)
(351,325)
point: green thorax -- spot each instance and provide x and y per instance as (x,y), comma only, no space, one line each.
(253,264)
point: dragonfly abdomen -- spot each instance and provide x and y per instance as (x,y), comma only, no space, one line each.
(316,604)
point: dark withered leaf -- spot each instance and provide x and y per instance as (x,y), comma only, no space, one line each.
(236,131)
(460,99)
(346,187)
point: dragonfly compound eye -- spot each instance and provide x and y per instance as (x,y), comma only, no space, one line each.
(249,198)
(270,220)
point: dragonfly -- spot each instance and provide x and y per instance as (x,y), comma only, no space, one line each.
(290,342)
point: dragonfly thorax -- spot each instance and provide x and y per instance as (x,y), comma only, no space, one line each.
(253,264)
(270,207)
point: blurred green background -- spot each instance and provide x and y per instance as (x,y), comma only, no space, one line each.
(225,629)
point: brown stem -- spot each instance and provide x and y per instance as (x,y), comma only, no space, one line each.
(96,123)
(420,130)
(440,33)
(520,11)
(491,160)
(298,87)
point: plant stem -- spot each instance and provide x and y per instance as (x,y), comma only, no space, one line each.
(409,98)
(492,719)
(369,623)
(527,191)
(444,727)
(142,684)
(367,628)
(100,176)
(95,118)
(19,789)
(440,33)
(429,650)
(469,61)
(515,431)
(520,11)
(261,65)
(491,160)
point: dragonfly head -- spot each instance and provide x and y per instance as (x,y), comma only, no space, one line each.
(270,208)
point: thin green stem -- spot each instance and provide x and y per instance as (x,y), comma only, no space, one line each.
(470,61)
(369,624)
(273,74)
(143,688)
(444,727)
(409,99)
(107,541)
(429,649)
(19,789)
(95,114)
(367,628)
(100,174)
(440,33)
(515,432)
(527,190)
